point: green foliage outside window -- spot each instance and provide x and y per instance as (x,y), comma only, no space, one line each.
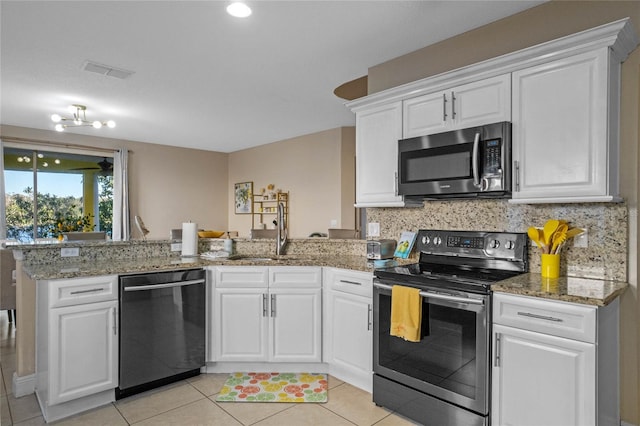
(57,214)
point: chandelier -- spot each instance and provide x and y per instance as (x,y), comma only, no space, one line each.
(79,119)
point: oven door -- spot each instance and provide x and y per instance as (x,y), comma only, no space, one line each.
(451,360)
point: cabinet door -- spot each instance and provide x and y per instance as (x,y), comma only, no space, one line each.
(481,102)
(83,344)
(377,133)
(425,115)
(560,137)
(350,345)
(296,324)
(540,379)
(240,324)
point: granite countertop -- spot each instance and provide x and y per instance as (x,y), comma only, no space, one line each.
(84,269)
(587,291)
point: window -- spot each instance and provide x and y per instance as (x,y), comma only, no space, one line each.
(50,193)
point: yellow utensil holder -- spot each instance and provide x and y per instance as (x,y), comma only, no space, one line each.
(549,285)
(550,265)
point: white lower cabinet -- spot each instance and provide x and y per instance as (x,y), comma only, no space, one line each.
(270,314)
(348,338)
(554,363)
(77,344)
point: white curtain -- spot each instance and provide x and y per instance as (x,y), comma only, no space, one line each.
(3,207)
(121,228)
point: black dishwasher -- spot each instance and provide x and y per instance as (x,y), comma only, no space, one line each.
(162,329)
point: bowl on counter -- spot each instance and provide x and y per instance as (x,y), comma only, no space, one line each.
(211,234)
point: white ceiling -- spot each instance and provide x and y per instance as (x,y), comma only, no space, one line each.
(204,79)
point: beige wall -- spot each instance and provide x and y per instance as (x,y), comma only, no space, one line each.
(167,185)
(543,23)
(313,168)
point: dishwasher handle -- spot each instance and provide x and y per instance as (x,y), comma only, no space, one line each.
(165,285)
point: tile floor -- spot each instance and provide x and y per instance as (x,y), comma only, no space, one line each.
(192,402)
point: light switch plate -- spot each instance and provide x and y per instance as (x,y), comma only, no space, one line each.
(70,252)
(581,240)
(373,229)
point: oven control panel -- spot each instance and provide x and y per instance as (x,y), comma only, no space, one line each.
(465,242)
(502,245)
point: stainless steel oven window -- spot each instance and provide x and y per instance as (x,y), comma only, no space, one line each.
(451,360)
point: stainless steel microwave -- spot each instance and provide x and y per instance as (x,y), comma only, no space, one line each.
(467,163)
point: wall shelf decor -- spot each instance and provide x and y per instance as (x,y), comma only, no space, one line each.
(265,209)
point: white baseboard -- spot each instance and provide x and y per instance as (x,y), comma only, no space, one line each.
(23,385)
(623,423)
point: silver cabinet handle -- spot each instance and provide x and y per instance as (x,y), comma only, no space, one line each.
(439,296)
(369,319)
(350,282)
(115,321)
(264,305)
(453,105)
(444,107)
(395,182)
(542,317)
(516,167)
(273,305)
(497,357)
(92,290)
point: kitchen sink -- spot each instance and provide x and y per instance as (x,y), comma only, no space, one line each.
(251,258)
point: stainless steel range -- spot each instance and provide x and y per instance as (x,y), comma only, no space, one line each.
(444,379)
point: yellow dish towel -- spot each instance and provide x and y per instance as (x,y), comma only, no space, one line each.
(406,313)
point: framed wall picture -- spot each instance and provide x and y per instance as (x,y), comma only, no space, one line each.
(243,192)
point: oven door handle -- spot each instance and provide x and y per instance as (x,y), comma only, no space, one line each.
(438,296)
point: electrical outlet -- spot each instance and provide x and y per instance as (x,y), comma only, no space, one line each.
(176,246)
(334,223)
(70,252)
(373,229)
(581,240)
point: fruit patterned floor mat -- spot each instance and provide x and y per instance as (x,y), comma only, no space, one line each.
(274,387)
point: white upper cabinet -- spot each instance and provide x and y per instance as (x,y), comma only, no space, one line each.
(562,96)
(378,130)
(564,133)
(481,102)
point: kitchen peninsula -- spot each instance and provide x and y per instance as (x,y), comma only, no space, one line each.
(104,261)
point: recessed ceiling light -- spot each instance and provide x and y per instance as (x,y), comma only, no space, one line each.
(238,9)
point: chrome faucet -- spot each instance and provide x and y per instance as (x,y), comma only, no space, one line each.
(281,233)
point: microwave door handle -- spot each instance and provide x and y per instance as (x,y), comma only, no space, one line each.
(475,160)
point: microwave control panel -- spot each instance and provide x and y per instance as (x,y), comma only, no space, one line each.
(492,157)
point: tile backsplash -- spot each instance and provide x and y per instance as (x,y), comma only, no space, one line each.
(607,224)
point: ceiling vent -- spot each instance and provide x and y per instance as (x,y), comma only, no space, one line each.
(106,70)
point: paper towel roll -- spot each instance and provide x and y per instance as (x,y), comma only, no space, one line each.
(189,239)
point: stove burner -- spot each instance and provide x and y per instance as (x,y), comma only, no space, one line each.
(469,269)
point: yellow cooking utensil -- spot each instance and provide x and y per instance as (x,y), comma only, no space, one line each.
(573,232)
(559,237)
(549,228)
(534,234)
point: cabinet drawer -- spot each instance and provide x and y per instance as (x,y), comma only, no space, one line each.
(352,282)
(242,276)
(77,291)
(295,276)
(546,316)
